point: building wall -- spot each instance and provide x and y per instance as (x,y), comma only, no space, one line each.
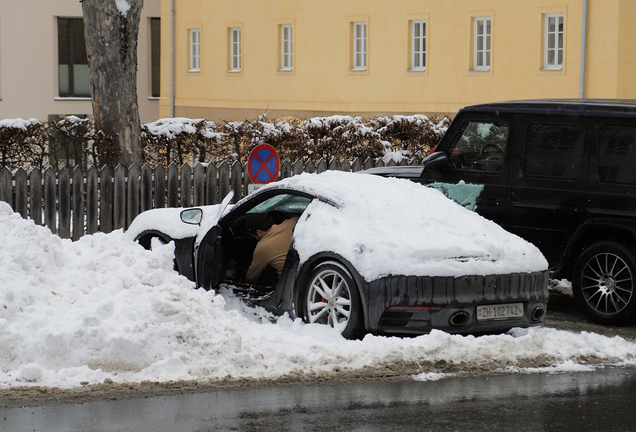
(29,60)
(322,83)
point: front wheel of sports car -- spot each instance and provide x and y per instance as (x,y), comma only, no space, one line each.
(604,284)
(332,298)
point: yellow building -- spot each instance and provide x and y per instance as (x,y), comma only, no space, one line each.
(236,59)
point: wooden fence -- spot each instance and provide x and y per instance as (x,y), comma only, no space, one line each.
(74,203)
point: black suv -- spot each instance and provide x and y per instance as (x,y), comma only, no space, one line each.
(562,175)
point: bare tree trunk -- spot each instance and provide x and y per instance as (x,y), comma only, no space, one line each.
(111,45)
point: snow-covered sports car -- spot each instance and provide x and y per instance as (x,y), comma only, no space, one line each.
(368,254)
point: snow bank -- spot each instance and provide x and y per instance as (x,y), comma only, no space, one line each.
(103,307)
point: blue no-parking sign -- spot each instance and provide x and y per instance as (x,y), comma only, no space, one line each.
(263,164)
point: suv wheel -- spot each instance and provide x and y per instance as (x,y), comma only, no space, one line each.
(604,283)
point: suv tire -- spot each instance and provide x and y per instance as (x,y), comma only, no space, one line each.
(604,284)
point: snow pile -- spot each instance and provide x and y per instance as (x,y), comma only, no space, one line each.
(19,123)
(104,308)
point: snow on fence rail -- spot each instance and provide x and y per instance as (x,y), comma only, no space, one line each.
(74,203)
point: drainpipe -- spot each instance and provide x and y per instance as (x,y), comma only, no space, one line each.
(172,58)
(583,49)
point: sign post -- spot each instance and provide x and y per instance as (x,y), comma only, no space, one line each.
(263,165)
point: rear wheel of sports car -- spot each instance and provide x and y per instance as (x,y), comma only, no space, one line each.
(604,284)
(332,298)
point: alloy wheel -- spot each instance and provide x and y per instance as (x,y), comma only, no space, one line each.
(329,299)
(607,283)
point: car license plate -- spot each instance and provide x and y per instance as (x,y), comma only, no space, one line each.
(500,311)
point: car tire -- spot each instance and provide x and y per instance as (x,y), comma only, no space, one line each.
(331,297)
(604,285)
(146,240)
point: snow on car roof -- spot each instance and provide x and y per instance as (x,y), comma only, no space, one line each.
(388,226)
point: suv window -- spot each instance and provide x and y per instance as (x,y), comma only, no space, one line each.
(553,150)
(479,146)
(617,154)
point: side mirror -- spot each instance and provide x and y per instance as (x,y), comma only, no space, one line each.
(435,161)
(192,216)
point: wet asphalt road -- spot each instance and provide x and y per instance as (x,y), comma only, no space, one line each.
(604,400)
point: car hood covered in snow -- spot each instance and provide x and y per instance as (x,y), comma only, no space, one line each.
(387,226)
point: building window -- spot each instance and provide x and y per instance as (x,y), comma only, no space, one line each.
(481,58)
(418,45)
(286,47)
(74,78)
(359,45)
(235,49)
(553,41)
(195,50)
(155,56)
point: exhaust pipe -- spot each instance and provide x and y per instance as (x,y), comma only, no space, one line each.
(537,313)
(459,318)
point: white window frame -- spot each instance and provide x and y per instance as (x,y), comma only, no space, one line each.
(418,45)
(286,47)
(553,42)
(482,44)
(195,50)
(359,39)
(235,49)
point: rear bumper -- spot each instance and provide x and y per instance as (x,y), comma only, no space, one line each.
(415,305)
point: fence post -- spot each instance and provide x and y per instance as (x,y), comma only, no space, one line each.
(285,169)
(173,185)
(186,185)
(333,164)
(321,166)
(91,200)
(106,197)
(119,198)
(310,167)
(345,165)
(237,181)
(50,200)
(246,180)
(198,192)
(356,165)
(145,189)
(21,192)
(212,185)
(36,196)
(368,163)
(298,167)
(6,189)
(160,186)
(64,198)
(132,207)
(224,180)
(78,203)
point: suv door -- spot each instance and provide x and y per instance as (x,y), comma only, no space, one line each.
(478,154)
(548,182)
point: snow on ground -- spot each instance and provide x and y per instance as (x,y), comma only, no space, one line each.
(103,307)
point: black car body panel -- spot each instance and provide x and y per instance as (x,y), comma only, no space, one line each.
(409,304)
(560,173)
